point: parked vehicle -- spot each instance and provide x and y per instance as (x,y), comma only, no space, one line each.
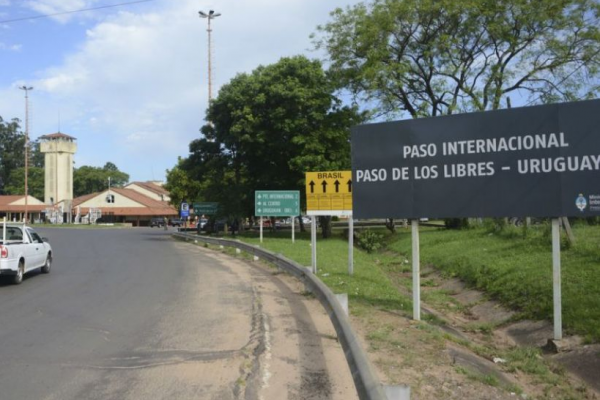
(177,222)
(215,225)
(23,250)
(201,224)
(157,221)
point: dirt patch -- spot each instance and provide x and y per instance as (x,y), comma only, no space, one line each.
(529,333)
(584,362)
(418,355)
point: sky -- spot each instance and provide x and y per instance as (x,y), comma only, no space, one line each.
(131,82)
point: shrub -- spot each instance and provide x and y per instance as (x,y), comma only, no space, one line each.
(456,223)
(370,241)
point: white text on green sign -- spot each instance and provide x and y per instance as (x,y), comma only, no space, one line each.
(276,203)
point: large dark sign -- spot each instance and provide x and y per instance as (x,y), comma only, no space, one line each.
(539,161)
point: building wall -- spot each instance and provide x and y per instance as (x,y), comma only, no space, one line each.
(32,201)
(120,201)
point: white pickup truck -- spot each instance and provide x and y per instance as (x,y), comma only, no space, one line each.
(22,250)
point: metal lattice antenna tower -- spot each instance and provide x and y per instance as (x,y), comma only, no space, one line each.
(26,89)
(211,15)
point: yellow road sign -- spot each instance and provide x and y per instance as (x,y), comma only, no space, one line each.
(329,193)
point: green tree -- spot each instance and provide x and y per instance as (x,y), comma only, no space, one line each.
(180,186)
(432,57)
(36,157)
(12,146)
(35,182)
(268,128)
(87,179)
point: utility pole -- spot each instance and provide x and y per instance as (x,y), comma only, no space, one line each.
(211,15)
(26,89)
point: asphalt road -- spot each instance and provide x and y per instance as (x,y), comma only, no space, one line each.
(134,314)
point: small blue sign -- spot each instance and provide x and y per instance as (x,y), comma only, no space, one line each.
(184,212)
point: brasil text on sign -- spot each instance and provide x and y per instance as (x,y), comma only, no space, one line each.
(277,203)
(329,193)
(541,161)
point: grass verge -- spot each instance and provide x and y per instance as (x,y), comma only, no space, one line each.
(517,269)
(373,288)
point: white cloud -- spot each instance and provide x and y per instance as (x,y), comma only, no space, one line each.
(48,7)
(11,47)
(139,81)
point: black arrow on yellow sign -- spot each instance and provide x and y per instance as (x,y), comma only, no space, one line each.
(337,186)
(349,186)
(312,186)
(324,183)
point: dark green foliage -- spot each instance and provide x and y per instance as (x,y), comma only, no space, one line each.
(12,150)
(88,179)
(35,182)
(12,162)
(267,129)
(456,223)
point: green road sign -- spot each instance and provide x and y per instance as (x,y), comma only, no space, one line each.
(276,203)
(208,208)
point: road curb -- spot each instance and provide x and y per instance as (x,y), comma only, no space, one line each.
(367,384)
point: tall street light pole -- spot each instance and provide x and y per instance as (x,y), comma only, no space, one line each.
(211,15)
(26,89)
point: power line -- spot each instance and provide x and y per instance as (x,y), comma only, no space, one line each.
(72,12)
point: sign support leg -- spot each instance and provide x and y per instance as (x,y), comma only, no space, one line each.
(313,236)
(351,245)
(416,272)
(261,229)
(556,279)
(293,231)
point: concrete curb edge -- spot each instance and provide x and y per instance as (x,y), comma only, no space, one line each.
(367,384)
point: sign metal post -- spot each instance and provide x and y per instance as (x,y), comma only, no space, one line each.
(351,245)
(261,229)
(556,279)
(313,241)
(293,231)
(416,270)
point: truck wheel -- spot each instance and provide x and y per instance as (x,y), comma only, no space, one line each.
(46,268)
(18,278)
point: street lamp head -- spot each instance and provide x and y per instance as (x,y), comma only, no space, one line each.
(211,14)
(26,87)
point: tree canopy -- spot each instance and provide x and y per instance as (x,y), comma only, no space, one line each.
(433,57)
(35,182)
(88,179)
(12,161)
(266,129)
(12,145)
(181,188)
